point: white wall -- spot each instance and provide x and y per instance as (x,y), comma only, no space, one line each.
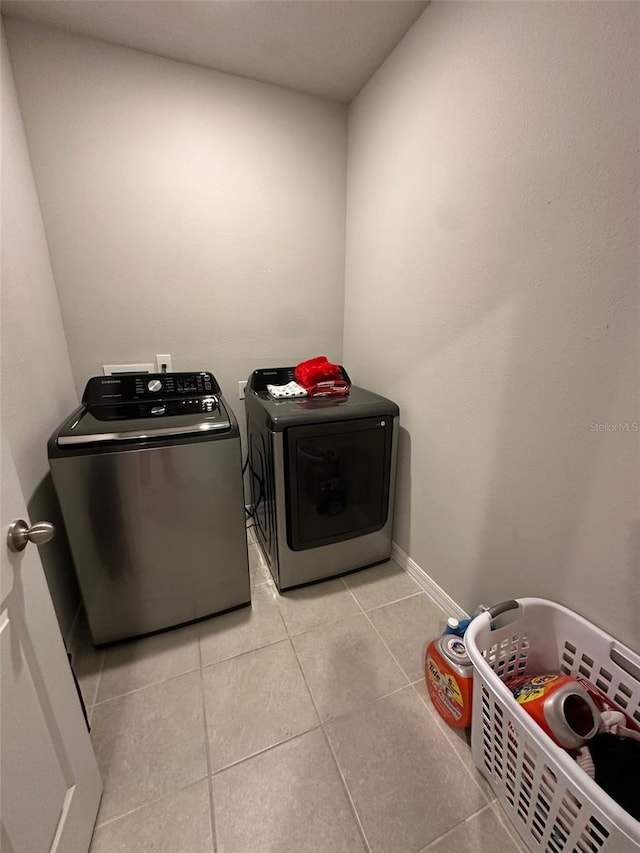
(37,384)
(492,290)
(187,211)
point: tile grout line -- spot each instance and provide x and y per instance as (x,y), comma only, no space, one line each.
(345,787)
(453,828)
(146,686)
(492,806)
(438,720)
(342,619)
(319,725)
(366,705)
(264,750)
(379,635)
(395,600)
(187,671)
(509,827)
(179,788)
(212,818)
(150,803)
(245,653)
(354,810)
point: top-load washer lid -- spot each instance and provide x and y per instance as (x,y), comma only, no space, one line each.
(139,407)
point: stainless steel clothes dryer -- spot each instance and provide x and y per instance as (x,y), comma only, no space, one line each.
(322,473)
(148,473)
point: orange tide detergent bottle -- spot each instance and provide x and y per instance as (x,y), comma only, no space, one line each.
(449,676)
(559,704)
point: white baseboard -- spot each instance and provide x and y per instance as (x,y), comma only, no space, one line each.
(441,598)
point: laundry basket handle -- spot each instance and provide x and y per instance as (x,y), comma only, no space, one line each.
(503,607)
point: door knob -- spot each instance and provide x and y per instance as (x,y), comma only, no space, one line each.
(19,533)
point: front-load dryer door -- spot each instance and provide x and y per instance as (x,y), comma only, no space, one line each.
(337,480)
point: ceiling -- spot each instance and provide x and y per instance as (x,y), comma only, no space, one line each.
(328,48)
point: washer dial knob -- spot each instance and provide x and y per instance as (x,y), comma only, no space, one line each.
(154,385)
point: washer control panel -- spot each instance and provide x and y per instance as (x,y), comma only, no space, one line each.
(156,387)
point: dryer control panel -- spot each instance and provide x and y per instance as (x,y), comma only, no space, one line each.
(145,387)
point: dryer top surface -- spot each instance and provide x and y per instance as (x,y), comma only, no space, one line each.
(282,414)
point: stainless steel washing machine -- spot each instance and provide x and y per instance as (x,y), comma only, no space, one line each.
(322,473)
(148,473)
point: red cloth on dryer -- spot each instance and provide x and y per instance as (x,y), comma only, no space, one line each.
(320,369)
(329,388)
(321,378)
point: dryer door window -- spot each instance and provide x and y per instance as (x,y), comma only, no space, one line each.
(337,480)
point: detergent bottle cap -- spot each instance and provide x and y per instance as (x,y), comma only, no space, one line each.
(454,650)
(453,623)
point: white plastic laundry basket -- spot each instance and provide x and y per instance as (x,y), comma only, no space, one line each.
(550,800)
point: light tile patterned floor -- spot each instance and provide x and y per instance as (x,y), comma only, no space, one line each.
(300,725)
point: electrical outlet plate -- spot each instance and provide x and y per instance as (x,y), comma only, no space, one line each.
(242,384)
(164,364)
